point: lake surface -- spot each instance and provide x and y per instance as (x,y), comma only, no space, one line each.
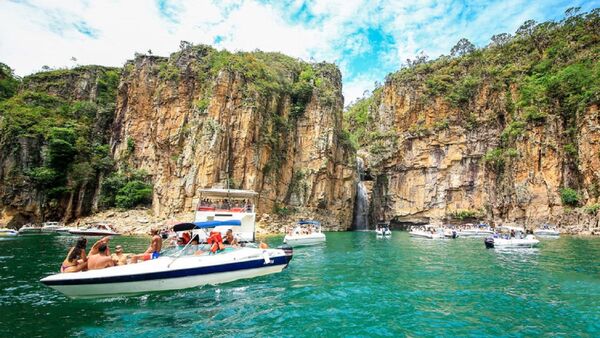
(355,285)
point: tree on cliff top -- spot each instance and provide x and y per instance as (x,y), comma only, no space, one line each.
(9,83)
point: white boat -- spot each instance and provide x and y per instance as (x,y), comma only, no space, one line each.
(427,231)
(528,241)
(8,232)
(96,229)
(305,233)
(30,229)
(481,230)
(228,205)
(511,237)
(51,227)
(173,272)
(546,231)
(383,230)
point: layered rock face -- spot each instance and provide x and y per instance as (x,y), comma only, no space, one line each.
(259,121)
(509,133)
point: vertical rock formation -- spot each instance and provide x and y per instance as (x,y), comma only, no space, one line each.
(259,121)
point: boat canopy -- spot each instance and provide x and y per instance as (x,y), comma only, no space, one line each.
(204,225)
(303,222)
(228,193)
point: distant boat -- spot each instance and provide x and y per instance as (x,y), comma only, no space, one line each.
(470,230)
(30,229)
(8,232)
(511,237)
(305,233)
(383,230)
(51,227)
(427,231)
(97,229)
(546,231)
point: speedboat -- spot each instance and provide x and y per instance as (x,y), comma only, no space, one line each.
(426,231)
(51,227)
(383,230)
(481,230)
(173,271)
(511,237)
(546,231)
(305,233)
(528,241)
(96,229)
(8,232)
(30,229)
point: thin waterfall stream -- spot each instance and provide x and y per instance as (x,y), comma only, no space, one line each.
(361,205)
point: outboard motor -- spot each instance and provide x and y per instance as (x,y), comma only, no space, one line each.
(489,242)
(454,234)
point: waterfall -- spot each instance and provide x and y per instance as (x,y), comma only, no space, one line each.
(361,205)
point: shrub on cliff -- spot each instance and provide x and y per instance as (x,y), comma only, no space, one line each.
(8,82)
(134,193)
(569,197)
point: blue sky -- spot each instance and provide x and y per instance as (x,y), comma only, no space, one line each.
(366,39)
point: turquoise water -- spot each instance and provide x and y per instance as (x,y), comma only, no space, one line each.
(355,285)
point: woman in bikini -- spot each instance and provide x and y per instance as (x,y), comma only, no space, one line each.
(76,258)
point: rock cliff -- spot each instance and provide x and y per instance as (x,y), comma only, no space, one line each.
(259,121)
(508,133)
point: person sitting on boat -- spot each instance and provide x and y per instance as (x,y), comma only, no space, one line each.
(119,257)
(102,259)
(76,258)
(229,238)
(153,250)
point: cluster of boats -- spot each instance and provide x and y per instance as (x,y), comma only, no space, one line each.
(92,230)
(500,237)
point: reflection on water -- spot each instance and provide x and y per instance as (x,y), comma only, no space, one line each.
(354,285)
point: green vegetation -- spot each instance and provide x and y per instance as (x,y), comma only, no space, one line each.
(126,190)
(465,214)
(66,140)
(8,82)
(592,209)
(569,197)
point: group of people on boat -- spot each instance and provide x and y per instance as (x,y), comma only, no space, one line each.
(226,204)
(99,256)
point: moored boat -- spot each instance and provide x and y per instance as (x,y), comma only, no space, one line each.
(306,232)
(179,270)
(427,231)
(511,237)
(8,232)
(470,230)
(51,227)
(546,231)
(96,229)
(30,229)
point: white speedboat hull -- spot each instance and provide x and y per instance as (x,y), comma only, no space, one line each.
(170,273)
(475,233)
(527,242)
(8,232)
(26,230)
(304,240)
(426,234)
(546,233)
(385,233)
(93,233)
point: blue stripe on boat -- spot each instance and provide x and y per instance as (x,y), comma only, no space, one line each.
(258,263)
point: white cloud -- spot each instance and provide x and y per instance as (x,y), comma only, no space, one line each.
(34,33)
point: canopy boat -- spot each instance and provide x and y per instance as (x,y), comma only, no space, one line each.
(30,229)
(514,238)
(96,229)
(470,230)
(546,231)
(305,233)
(383,230)
(427,231)
(8,232)
(176,271)
(229,205)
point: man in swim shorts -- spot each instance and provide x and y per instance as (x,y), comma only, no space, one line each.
(153,250)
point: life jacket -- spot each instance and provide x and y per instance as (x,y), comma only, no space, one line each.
(216,241)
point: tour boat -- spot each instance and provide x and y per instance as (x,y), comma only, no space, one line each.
(546,231)
(173,271)
(8,232)
(217,204)
(481,230)
(426,231)
(30,229)
(96,229)
(383,230)
(305,233)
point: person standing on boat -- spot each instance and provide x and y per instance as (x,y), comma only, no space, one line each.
(153,250)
